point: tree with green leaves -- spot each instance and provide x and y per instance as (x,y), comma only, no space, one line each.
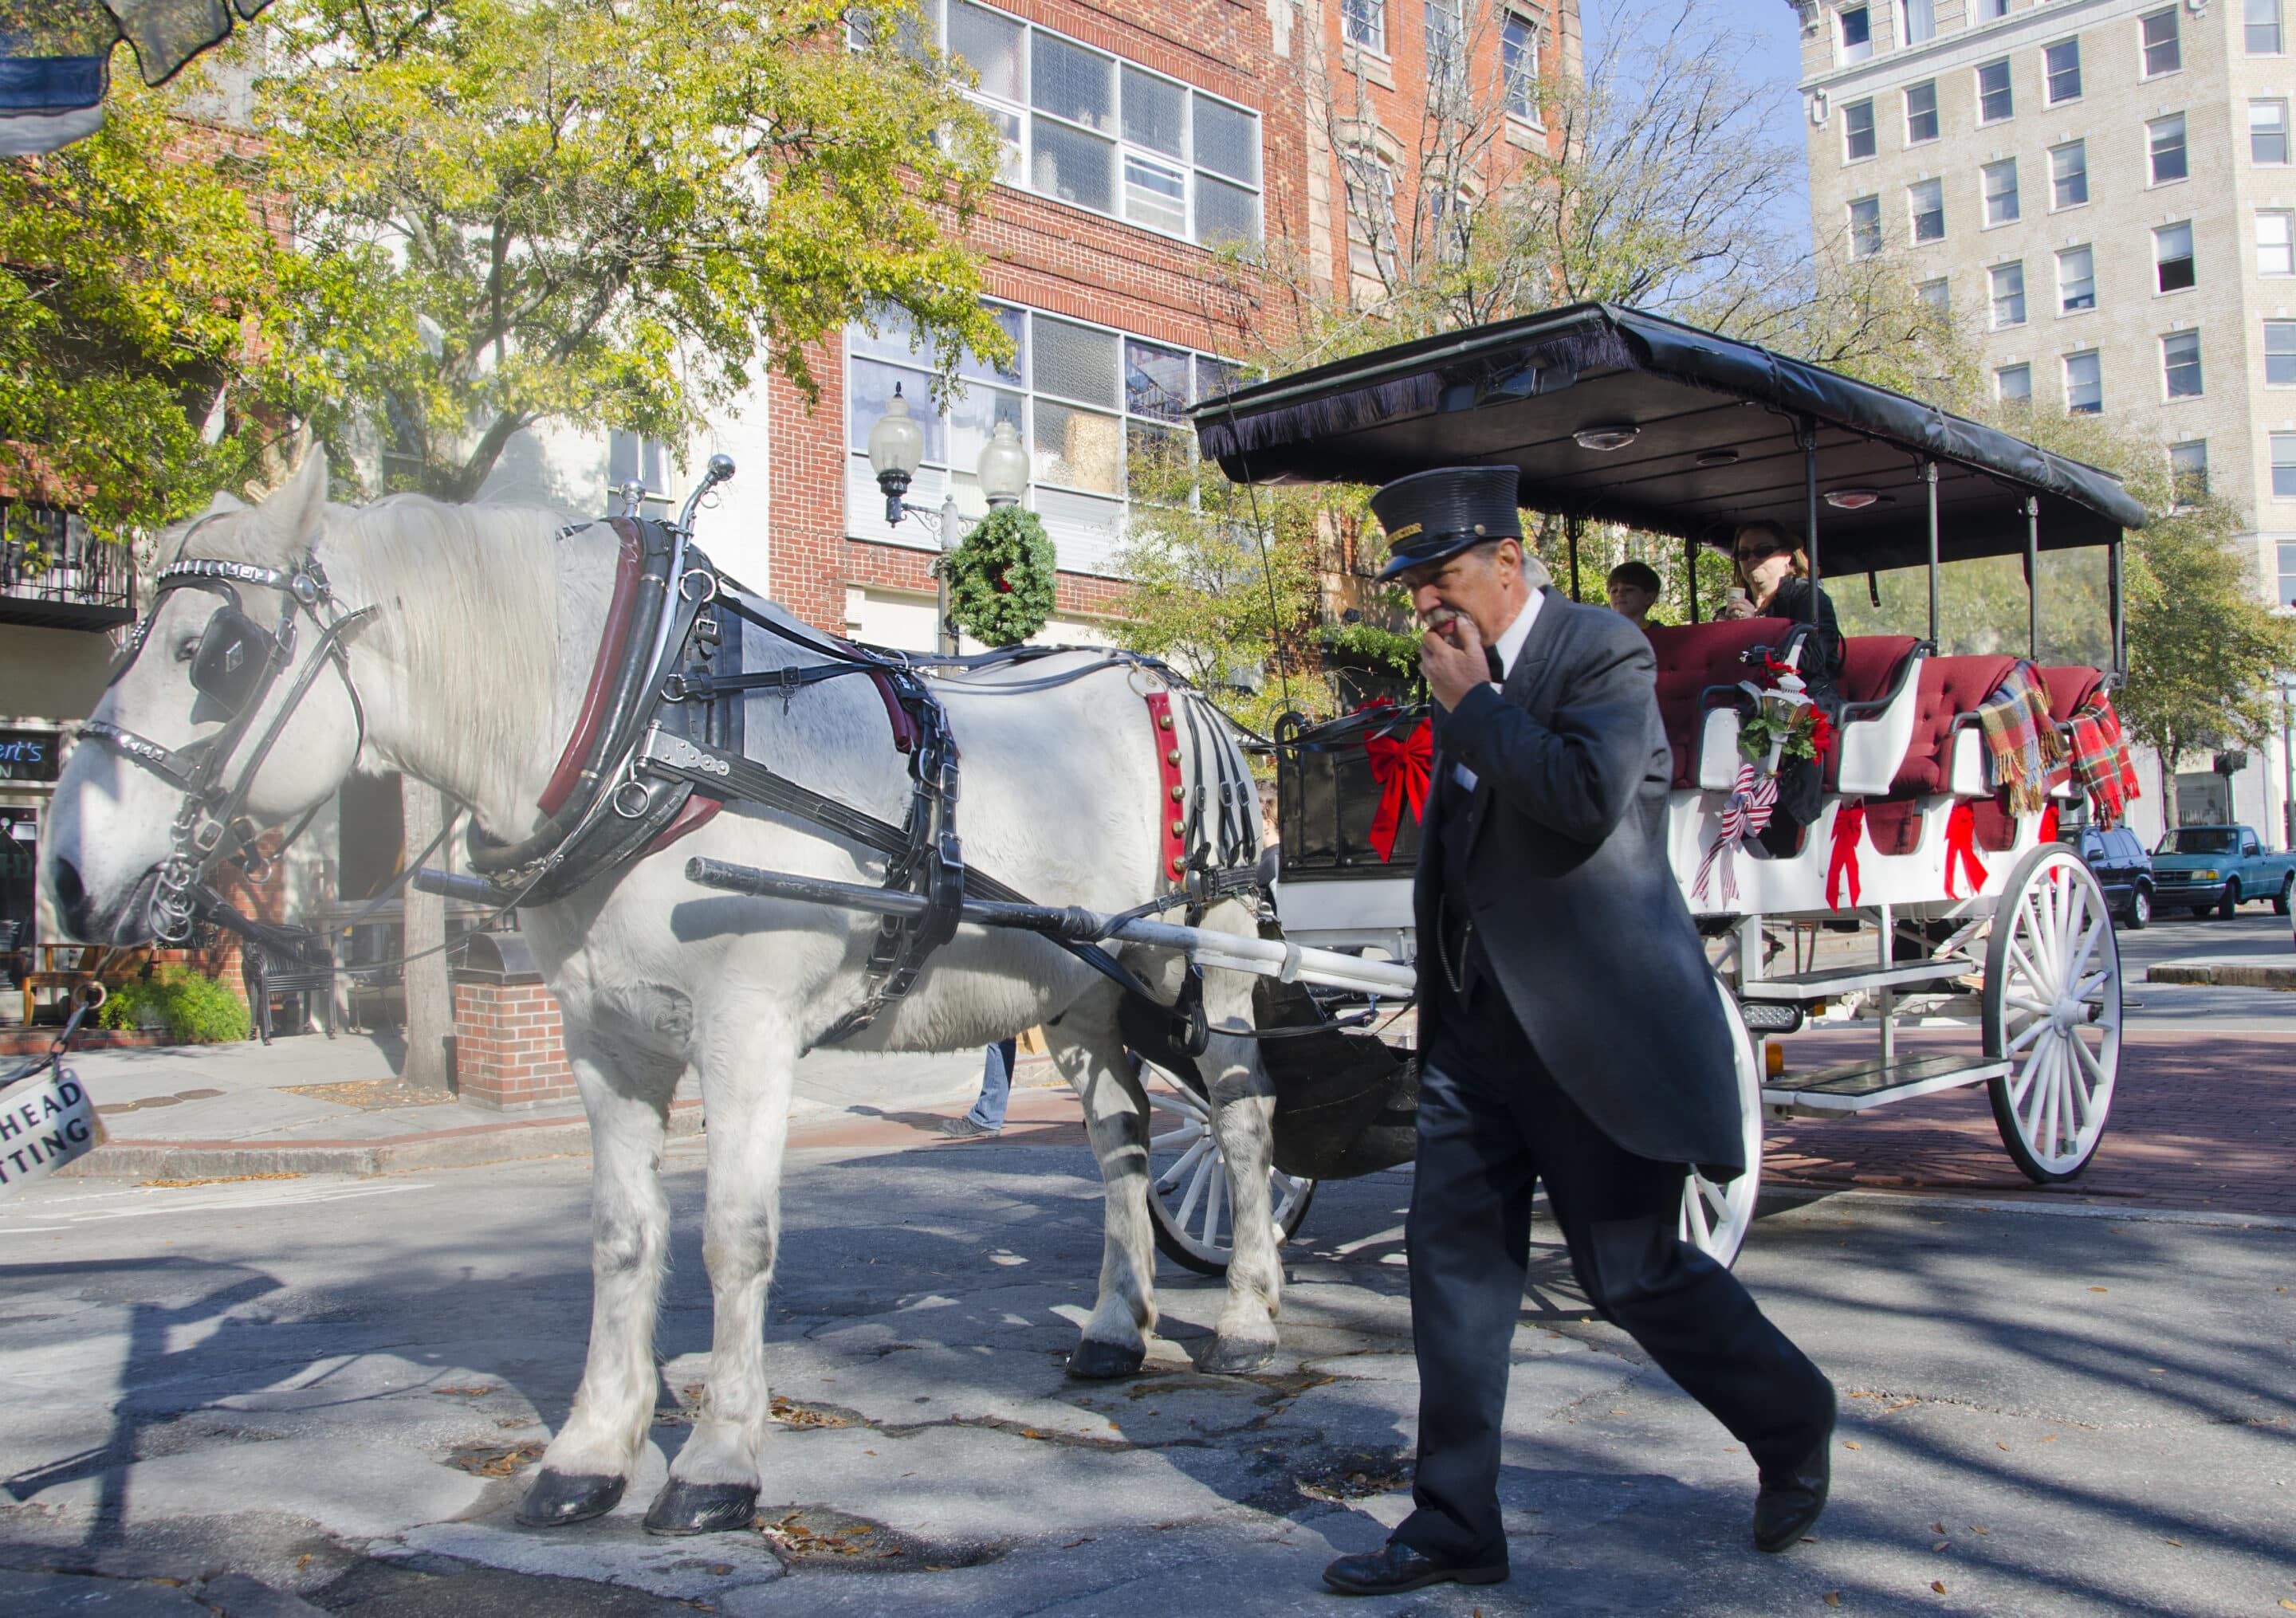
(146,315)
(609,214)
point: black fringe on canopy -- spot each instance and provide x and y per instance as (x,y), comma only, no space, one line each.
(1224,433)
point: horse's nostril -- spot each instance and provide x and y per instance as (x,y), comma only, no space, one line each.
(70,895)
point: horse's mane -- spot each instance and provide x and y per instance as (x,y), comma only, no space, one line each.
(468,623)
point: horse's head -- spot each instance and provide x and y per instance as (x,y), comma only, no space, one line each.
(173,768)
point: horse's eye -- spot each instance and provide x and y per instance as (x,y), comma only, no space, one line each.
(187,648)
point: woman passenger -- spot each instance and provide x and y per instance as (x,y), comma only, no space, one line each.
(1775,575)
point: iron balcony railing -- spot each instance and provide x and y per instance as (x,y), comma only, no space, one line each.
(54,572)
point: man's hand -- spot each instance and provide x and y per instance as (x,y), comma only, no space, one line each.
(1453,670)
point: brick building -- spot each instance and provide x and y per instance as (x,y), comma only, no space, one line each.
(2100,193)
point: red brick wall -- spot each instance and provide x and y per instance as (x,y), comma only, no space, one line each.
(507,1049)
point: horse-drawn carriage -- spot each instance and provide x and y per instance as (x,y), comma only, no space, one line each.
(1947,776)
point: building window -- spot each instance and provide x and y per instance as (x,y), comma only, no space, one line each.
(2084,384)
(1857,131)
(2063,63)
(2284,466)
(1987,10)
(1936,295)
(632,457)
(2268,131)
(2069,175)
(2001,192)
(2163,52)
(2172,258)
(2280,354)
(1447,44)
(1085,399)
(2180,365)
(1920,20)
(2287,573)
(2014,384)
(2076,280)
(1864,228)
(1920,113)
(2188,472)
(1993,99)
(1101,134)
(2008,295)
(2275,244)
(1519,60)
(2263,27)
(2164,144)
(1365,24)
(1373,232)
(1925,200)
(1857,34)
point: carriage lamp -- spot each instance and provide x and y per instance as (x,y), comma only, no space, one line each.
(897,444)
(1607,438)
(1003,467)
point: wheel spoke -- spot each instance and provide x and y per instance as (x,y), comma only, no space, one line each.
(1171,1177)
(1700,1231)
(1181,1136)
(1215,1205)
(2095,1068)
(1195,1189)
(2024,962)
(2039,1008)
(2031,1032)
(2090,985)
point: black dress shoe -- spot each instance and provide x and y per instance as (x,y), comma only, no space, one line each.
(1395,1567)
(1791,1500)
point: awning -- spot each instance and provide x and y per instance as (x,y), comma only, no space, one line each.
(1713,440)
(55,59)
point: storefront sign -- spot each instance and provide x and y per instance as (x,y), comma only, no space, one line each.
(45,1120)
(31,755)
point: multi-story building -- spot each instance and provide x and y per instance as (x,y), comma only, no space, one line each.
(2101,194)
(1142,140)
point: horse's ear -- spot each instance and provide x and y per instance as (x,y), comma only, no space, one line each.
(289,521)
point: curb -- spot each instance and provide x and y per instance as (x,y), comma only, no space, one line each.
(2224,975)
(446,1148)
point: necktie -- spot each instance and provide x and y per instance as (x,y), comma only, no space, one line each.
(1498,669)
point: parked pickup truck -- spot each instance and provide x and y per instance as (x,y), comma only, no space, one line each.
(2219,867)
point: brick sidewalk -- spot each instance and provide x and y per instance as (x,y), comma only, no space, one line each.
(2198,1122)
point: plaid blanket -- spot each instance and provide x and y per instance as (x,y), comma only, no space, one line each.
(2101,766)
(2024,754)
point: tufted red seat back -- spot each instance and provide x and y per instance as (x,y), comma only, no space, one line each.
(1870,665)
(1692,657)
(1950,687)
(2069,686)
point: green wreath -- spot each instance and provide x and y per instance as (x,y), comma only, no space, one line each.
(1000,579)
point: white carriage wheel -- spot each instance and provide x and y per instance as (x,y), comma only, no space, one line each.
(2053,1011)
(1717,1216)
(1188,1200)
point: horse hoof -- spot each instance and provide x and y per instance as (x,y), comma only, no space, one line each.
(1097,1361)
(557,1499)
(1236,1356)
(682,1507)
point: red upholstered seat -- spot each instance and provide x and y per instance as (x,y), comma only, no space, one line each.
(1693,656)
(1950,687)
(2069,686)
(1870,665)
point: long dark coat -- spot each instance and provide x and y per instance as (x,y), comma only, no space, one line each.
(1569,889)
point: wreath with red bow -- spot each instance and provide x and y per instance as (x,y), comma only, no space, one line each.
(1001,578)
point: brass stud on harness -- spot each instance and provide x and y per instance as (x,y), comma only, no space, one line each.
(1177,790)
(1179,826)
(1173,757)
(1179,865)
(1163,721)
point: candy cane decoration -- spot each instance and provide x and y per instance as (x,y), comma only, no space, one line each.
(1753,795)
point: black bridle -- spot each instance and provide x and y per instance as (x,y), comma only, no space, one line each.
(237,664)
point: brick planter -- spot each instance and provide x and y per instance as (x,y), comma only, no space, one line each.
(508,1052)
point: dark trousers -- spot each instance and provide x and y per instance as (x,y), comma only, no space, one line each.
(1493,1122)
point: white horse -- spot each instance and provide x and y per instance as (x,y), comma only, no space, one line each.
(469,675)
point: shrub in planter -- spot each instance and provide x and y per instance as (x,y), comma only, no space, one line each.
(193,1009)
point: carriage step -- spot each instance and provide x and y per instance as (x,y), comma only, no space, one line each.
(1843,980)
(1854,1086)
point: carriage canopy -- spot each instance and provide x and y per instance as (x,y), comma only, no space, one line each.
(1620,416)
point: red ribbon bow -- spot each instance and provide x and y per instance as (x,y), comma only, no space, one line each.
(1842,868)
(1961,848)
(1401,767)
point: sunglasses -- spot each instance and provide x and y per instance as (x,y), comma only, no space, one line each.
(1756,556)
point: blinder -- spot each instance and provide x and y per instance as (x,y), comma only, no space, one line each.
(234,657)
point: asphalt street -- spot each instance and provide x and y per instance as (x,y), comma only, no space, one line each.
(266,1396)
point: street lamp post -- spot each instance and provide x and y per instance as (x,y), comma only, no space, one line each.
(896,447)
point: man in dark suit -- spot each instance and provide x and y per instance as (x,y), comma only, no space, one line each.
(1570,1033)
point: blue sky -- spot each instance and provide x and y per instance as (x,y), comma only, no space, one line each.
(1773,40)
